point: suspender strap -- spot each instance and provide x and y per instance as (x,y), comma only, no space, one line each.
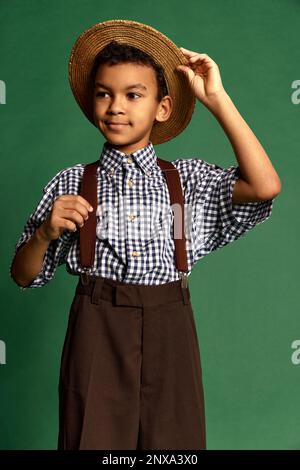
(176,197)
(87,233)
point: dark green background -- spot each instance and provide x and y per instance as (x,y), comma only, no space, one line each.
(245,296)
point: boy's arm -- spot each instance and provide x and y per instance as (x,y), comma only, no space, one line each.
(66,212)
(31,250)
(259,180)
(28,260)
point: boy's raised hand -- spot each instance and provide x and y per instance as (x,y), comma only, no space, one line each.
(203,75)
(68,212)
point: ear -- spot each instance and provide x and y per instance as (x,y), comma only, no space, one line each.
(164,109)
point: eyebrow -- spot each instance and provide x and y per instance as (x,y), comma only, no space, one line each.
(136,85)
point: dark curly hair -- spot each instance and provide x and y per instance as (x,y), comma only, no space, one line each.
(115,53)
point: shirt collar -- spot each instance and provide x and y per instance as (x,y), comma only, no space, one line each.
(111,159)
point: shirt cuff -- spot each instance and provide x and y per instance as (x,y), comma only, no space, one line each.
(247,214)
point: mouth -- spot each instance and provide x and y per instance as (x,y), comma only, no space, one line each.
(116,125)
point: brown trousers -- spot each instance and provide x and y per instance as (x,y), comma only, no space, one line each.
(130,375)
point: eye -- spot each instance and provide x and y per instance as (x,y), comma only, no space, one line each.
(101,93)
(134,94)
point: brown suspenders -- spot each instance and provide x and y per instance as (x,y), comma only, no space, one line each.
(87,234)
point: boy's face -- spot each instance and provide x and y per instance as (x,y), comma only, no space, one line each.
(115,99)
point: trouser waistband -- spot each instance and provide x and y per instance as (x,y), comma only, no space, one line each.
(138,295)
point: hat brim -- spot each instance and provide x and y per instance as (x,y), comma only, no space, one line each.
(149,40)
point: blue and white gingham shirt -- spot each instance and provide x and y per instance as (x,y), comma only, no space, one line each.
(134,242)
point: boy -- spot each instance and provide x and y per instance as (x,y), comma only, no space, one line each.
(130,371)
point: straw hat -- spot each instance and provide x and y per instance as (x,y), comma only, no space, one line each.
(149,40)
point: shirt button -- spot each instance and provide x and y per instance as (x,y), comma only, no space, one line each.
(132,217)
(130,183)
(129,160)
(135,253)
(112,172)
(148,173)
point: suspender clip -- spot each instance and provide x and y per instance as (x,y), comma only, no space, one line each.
(184,279)
(84,278)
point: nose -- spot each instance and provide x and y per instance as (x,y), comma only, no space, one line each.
(116,105)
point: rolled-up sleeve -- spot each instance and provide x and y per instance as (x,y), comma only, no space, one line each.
(217,221)
(57,250)
(246,214)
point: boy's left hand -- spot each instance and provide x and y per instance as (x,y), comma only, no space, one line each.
(203,75)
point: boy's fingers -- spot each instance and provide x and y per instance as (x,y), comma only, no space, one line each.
(83,201)
(198,57)
(72,215)
(86,203)
(76,205)
(187,52)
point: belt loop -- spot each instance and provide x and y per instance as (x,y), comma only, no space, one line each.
(96,290)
